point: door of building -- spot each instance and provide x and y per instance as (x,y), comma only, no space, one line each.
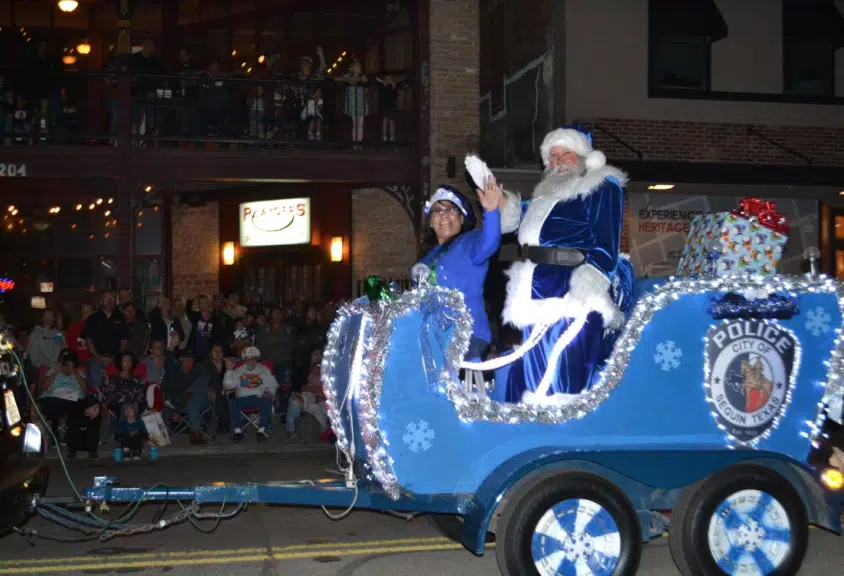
(284,278)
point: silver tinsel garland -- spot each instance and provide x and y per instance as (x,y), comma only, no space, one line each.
(368,390)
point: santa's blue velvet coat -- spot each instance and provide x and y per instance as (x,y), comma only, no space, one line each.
(463,266)
(587,215)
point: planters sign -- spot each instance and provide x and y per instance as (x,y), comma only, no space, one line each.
(275,222)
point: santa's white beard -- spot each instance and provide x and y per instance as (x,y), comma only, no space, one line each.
(556,177)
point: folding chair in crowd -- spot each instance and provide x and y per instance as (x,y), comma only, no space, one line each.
(177,421)
(252,416)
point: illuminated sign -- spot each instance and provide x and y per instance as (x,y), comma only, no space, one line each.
(38,302)
(46,287)
(275,222)
(6,285)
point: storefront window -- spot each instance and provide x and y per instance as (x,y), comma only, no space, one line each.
(106,274)
(148,232)
(147,281)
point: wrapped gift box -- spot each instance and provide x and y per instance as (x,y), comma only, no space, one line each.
(742,245)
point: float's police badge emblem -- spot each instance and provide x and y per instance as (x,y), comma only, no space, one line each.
(750,370)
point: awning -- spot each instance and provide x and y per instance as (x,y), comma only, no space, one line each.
(813,21)
(687,18)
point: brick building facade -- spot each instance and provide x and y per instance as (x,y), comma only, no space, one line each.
(196,250)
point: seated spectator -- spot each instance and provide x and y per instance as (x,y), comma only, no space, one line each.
(251,386)
(63,385)
(311,399)
(45,342)
(83,427)
(217,369)
(187,387)
(131,432)
(123,384)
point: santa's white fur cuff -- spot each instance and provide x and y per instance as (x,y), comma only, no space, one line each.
(511,214)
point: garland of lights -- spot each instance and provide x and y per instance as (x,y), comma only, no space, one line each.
(472,407)
(707,376)
(333,403)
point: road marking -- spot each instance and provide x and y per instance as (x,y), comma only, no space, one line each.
(229,552)
(236,559)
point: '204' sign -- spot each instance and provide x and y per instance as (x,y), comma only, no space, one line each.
(8,170)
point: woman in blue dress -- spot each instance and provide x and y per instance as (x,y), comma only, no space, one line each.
(458,254)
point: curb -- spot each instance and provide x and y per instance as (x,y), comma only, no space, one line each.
(214,450)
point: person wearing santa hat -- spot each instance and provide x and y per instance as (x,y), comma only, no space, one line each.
(572,278)
(458,254)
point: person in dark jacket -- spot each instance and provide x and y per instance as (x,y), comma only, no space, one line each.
(208,328)
(83,427)
(187,387)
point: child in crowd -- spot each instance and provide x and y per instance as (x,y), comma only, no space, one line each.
(311,399)
(241,337)
(83,427)
(131,432)
(357,106)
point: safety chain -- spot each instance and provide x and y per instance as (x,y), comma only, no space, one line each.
(177,518)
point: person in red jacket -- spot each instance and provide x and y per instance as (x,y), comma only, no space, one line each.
(74,335)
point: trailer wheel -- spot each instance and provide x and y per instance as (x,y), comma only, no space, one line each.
(570,524)
(744,520)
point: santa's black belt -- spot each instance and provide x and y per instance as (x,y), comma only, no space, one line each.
(551,255)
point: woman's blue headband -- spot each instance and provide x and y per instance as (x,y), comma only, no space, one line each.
(445,194)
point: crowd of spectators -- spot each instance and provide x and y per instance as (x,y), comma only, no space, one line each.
(205,360)
(196,100)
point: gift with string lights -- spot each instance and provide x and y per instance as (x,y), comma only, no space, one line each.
(750,239)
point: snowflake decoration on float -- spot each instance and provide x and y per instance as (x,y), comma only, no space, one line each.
(418,436)
(668,355)
(817,321)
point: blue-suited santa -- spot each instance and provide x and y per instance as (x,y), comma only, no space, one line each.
(572,287)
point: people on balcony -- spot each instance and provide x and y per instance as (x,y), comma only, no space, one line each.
(255,100)
(145,65)
(356,104)
(45,81)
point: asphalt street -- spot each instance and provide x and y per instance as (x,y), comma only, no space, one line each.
(280,540)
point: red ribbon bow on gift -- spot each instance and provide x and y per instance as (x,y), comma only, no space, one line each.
(765,212)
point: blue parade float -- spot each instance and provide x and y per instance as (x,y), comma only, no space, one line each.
(711,407)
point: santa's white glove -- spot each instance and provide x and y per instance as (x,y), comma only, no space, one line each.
(589,291)
(477,169)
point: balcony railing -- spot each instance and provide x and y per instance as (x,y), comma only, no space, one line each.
(209,112)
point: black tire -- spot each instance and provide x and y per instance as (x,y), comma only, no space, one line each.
(523,512)
(701,504)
